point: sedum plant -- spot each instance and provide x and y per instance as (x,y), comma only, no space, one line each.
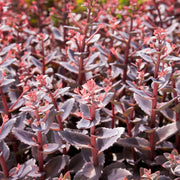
(89,89)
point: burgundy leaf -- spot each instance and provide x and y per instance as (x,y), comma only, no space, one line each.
(7,128)
(25,136)
(76,138)
(55,165)
(134,142)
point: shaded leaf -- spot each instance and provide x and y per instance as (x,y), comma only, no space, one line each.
(57,34)
(35,61)
(92,58)
(144,104)
(68,80)
(167,131)
(7,128)
(164,105)
(169,114)
(55,165)
(5,150)
(115,173)
(84,123)
(8,62)
(7,82)
(71,55)
(76,162)
(105,143)
(76,138)
(6,49)
(103,132)
(89,172)
(94,39)
(67,108)
(25,136)
(70,68)
(145,57)
(50,148)
(108,98)
(137,142)
(176,170)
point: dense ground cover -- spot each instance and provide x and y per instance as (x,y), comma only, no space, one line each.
(90,89)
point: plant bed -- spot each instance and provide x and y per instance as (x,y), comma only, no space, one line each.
(89,89)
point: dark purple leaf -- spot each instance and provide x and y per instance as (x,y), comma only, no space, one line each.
(8,62)
(116,173)
(91,59)
(94,39)
(51,56)
(163,177)
(164,105)
(55,165)
(7,128)
(71,55)
(89,172)
(6,49)
(25,136)
(76,138)
(145,57)
(144,104)
(107,98)
(62,91)
(105,143)
(169,114)
(84,123)
(70,68)
(50,148)
(66,79)
(67,108)
(137,142)
(35,61)
(7,82)
(76,162)
(103,132)
(5,150)
(164,132)
(176,170)
(57,34)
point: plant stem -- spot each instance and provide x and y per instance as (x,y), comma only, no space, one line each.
(6,108)
(113,116)
(3,165)
(153,112)
(40,146)
(43,58)
(92,112)
(159,13)
(81,75)
(93,144)
(176,114)
(127,53)
(57,109)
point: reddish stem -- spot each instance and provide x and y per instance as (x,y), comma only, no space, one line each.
(81,75)
(159,13)
(40,146)
(6,108)
(92,112)
(113,115)
(154,104)
(43,58)
(3,165)
(127,53)
(93,144)
(57,109)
